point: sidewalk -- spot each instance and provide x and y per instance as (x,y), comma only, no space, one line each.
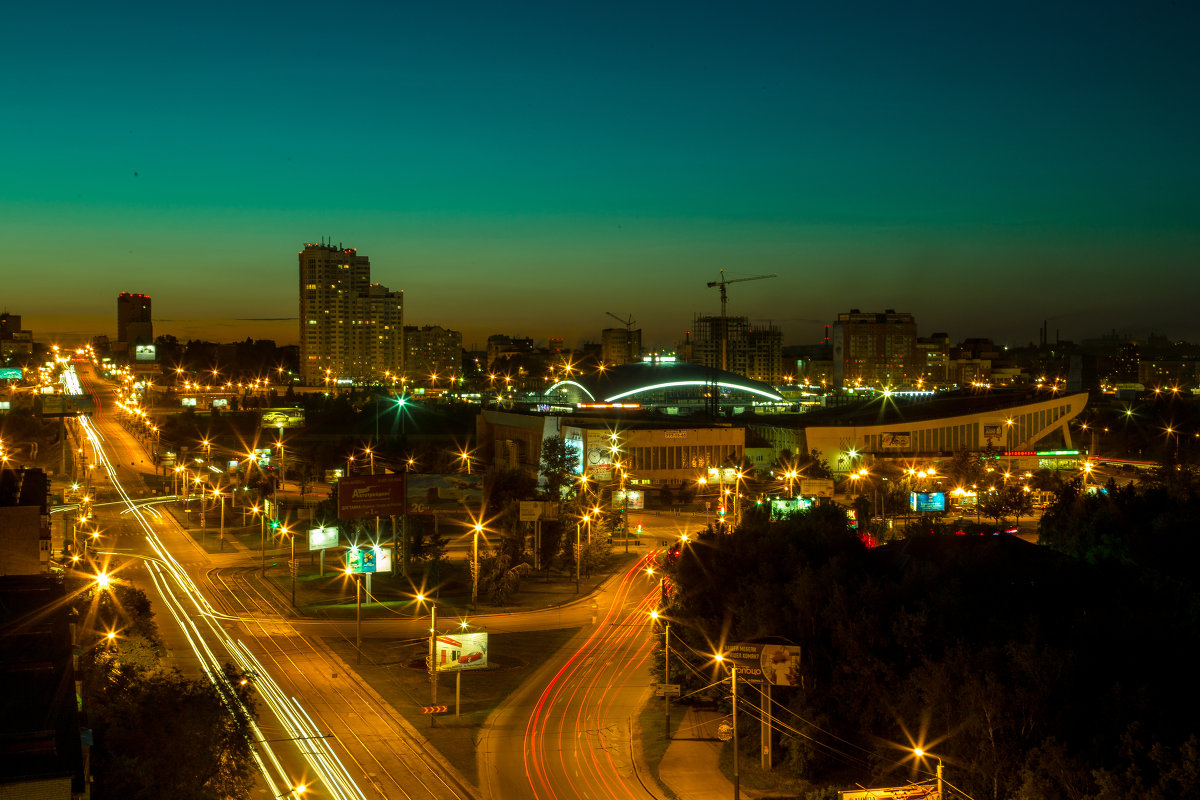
(691,766)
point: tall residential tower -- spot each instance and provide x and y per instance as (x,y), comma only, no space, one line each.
(134,324)
(350,328)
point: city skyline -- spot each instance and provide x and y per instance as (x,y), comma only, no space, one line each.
(525,171)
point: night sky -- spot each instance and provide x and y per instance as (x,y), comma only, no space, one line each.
(524,168)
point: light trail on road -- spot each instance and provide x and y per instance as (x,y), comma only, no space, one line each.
(578,739)
(199,622)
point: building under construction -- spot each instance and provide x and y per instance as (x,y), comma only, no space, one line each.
(752,351)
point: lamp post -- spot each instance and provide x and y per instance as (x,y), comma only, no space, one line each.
(475,565)
(940,779)
(666,659)
(292,563)
(262,535)
(217,493)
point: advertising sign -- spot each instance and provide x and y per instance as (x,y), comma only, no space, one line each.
(927,501)
(461,651)
(916,791)
(5,405)
(262,456)
(631,499)
(774,664)
(283,418)
(361,559)
(370,495)
(11,374)
(322,538)
(896,440)
(538,510)
(187,401)
(443,493)
(220,402)
(722,475)
(333,475)
(143,352)
(597,452)
(782,507)
(992,434)
(54,405)
(816,487)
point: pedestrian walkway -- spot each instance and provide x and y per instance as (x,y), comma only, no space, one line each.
(691,766)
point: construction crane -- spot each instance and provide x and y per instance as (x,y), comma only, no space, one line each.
(724,323)
(628,323)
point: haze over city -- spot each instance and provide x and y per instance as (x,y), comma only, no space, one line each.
(526,169)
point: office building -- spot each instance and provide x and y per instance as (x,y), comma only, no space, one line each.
(875,350)
(134,325)
(350,329)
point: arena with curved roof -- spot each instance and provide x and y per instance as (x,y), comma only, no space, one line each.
(664,384)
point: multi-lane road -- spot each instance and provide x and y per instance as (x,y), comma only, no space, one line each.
(568,732)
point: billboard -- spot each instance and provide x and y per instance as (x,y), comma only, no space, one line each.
(916,791)
(322,538)
(11,374)
(538,510)
(461,651)
(632,500)
(220,402)
(782,507)
(722,475)
(443,493)
(187,401)
(371,495)
(361,560)
(5,405)
(597,456)
(143,352)
(762,664)
(896,440)
(927,501)
(816,487)
(283,418)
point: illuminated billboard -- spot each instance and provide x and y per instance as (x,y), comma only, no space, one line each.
(322,538)
(143,352)
(927,501)
(361,560)
(11,374)
(895,440)
(220,402)
(461,651)
(283,418)
(190,402)
(774,664)
(632,500)
(597,451)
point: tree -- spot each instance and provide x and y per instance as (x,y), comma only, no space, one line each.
(159,734)
(558,467)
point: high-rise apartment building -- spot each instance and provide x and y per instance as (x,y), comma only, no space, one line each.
(877,350)
(621,346)
(753,351)
(350,328)
(432,353)
(134,325)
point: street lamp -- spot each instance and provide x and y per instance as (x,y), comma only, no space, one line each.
(475,565)
(919,753)
(292,563)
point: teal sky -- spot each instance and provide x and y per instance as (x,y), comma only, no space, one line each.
(525,168)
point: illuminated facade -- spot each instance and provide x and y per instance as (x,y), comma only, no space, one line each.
(350,328)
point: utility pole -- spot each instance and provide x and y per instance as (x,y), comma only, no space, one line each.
(736,777)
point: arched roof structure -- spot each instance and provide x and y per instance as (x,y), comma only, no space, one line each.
(646,381)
